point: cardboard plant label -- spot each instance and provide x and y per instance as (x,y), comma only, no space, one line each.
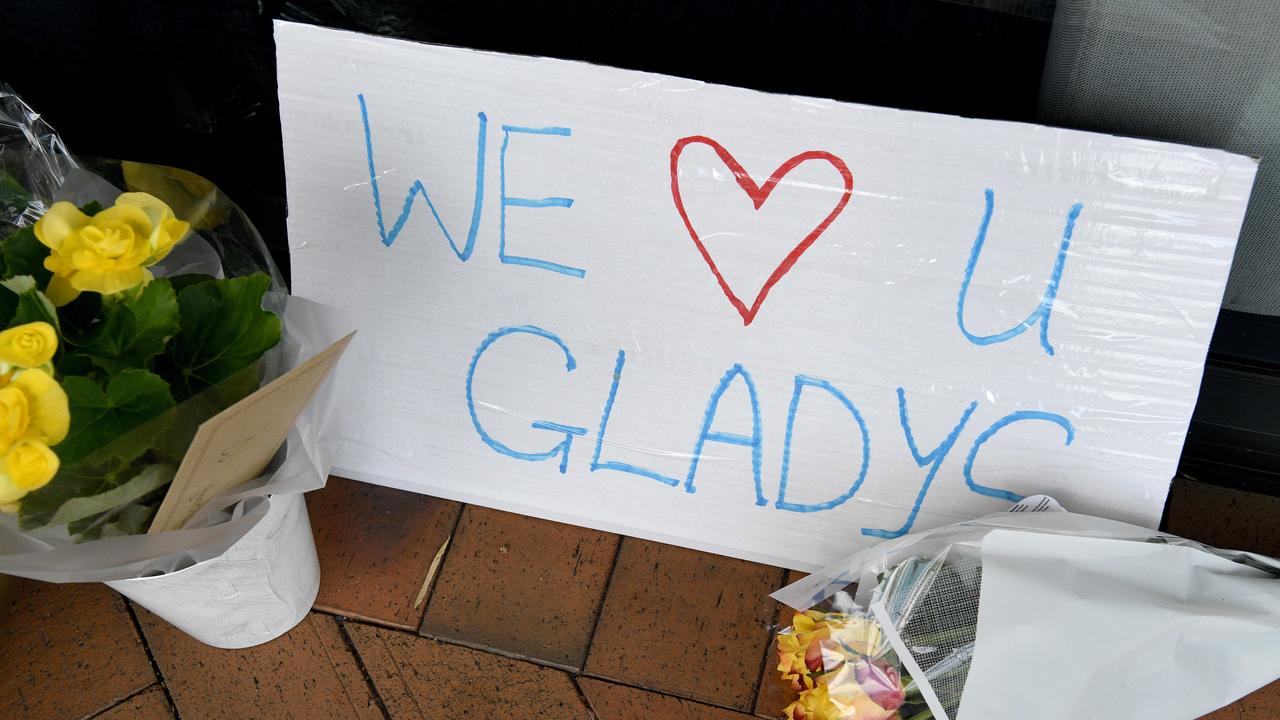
(772,327)
(235,446)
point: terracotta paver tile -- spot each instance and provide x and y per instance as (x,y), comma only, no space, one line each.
(307,673)
(1223,517)
(423,679)
(521,585)
(148,705)
(774,695)
(611,701)
(685,622)
(68,651)
(377,546)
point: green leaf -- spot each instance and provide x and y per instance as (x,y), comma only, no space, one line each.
(8,301)
(86,529)
(32,306)
(37,508)
(135,327)
(13,196)
(182,422)
(113,421)
(73,363)
(131,520)
(151,478)
(224,329)
(91,208)
(24,255)
(8,306)
(186,280)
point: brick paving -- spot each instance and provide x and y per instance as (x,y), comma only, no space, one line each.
(428,609)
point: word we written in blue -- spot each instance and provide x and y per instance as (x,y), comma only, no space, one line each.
(564,434)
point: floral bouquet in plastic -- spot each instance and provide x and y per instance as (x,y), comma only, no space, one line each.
(164,402)
(122,332)
(843,668)
(979,619)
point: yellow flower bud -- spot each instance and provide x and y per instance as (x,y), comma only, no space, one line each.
(192,197)
(28,346)
(109,252)
(30,465)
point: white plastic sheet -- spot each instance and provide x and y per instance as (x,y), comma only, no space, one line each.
(1081,627)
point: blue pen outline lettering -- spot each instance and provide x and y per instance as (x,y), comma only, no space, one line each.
(604,424)
(570,432)
(934,459)
(754,442)
(528,203)
(987,434)
(801,382)
(1044,309)
(463,253)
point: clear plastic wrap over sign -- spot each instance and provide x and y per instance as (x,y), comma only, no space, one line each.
(770,327)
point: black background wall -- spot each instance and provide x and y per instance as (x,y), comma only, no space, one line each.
(192,84)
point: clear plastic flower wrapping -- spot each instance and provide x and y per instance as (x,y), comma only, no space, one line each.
(88,541)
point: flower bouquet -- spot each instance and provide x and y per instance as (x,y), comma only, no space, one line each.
(842,667)
(140,316)
(97,349)
(978,620)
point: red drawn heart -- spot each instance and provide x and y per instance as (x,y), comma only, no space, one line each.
(758,194)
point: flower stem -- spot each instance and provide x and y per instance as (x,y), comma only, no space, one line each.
(927,714)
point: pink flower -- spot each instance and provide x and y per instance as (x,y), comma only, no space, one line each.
(881,682)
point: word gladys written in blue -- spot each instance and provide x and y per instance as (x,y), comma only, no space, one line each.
(565,434)
(1040,315)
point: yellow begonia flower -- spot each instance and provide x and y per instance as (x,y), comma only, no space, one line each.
(192,197)
(109,252)
(33,415)
(33,406)
(30,465)
(27,346)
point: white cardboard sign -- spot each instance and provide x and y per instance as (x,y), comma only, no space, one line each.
(771,327)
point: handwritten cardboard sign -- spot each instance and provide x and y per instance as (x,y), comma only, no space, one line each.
(772,327)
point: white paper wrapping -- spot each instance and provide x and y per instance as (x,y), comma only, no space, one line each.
(1081,627)
(256,591)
